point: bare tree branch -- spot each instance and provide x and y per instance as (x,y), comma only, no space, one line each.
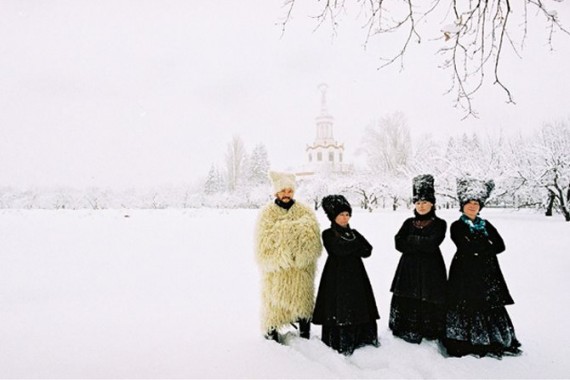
(475,39)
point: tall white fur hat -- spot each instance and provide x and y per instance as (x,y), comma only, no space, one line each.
(282,181)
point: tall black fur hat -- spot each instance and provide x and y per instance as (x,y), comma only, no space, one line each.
(423,188)
(334,205)
(469,189)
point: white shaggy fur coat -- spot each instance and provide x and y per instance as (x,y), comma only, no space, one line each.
(288,244)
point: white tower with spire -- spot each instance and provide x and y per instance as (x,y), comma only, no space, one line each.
(325,154)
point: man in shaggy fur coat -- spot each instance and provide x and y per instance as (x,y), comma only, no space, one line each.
(288,245)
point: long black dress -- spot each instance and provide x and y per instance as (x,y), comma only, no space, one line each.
(477,321)
(417,309)
(345,304)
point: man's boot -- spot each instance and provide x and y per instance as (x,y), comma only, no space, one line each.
(304,328)
(272,335)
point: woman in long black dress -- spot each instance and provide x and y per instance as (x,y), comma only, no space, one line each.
(345,304)
(477,320)
(417,309)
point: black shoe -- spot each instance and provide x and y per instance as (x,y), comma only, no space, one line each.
(494,355)
(513,352)
(304,328)
(272,335)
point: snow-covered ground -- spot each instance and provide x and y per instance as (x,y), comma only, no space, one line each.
(175,294)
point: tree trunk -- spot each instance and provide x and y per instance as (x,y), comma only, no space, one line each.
(550,205)
(373,201)
(565,205)
(566,214)
(365,202)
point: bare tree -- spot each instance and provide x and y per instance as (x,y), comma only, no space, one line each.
(235,160)
(471,44)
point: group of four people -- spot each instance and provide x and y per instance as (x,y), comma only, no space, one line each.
(466,311)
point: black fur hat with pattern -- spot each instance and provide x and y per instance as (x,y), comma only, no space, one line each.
(423,189)
(334,205)
(473,189)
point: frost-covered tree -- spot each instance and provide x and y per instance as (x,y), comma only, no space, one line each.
(214,181)
(62,199)
(476,156)
(258,166)
(314,189)
(494,165)
(463,156)
(387,145)
(155,199)
(426,155)
(8,196)
(366,189)
(551,164)
(523,193)
(235,162)
(97,198)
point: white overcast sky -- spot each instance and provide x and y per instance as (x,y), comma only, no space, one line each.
(139,93)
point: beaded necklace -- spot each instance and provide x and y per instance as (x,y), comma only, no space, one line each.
(348,236)
(345,233)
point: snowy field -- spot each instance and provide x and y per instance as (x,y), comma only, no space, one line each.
(175,294)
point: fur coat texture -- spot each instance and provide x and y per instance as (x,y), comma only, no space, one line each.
(288,246)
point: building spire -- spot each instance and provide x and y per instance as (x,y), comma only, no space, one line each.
(323,87)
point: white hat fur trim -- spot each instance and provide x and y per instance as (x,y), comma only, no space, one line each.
(282,181)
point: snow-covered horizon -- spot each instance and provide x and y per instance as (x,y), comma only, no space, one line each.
(142,92)
(175,294)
